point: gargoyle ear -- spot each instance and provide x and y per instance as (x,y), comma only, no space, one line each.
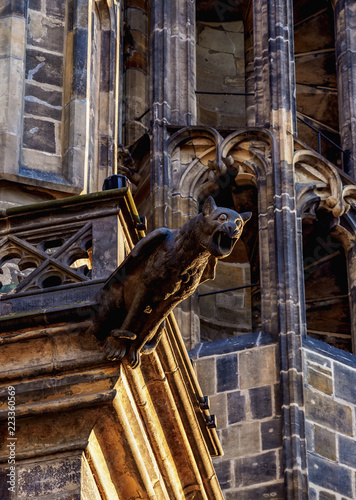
(209,206)
(246,216)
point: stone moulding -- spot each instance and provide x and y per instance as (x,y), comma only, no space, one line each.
(63,382)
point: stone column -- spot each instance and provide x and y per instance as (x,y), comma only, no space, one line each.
(249,69)
(12,68)
(172,91)
(275,109)
(345,46)
(136,70)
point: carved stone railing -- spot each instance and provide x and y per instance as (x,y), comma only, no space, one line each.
(58,253)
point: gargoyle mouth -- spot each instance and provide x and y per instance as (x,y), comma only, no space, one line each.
(223,243)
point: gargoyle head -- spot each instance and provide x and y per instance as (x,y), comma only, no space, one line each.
(222,227)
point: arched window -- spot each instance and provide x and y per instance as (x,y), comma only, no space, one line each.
(230,304)
(326,284)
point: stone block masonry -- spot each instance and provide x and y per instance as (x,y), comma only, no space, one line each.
(330,397)
(42,125)
(240,375)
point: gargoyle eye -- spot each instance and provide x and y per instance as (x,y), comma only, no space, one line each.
(223,217)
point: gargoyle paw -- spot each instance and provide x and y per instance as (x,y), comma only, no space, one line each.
(115,348)
(123,334)
(134,358)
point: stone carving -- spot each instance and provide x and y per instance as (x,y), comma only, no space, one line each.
(126,166)
(163,269)
(46,259)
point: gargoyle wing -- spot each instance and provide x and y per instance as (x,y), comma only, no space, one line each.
(141,251)
(209,271)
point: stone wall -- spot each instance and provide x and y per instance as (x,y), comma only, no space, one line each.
(220,66)
(330,399)
(59,92)
(45,39)
(241,376)
(226,314)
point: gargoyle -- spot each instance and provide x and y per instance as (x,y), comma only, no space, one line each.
(163,269)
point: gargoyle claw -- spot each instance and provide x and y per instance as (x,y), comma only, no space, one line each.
(134,358)
(123,334)
(115,348)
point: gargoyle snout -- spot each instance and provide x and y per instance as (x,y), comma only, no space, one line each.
(230,229)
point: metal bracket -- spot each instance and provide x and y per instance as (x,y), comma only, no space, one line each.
(211,422)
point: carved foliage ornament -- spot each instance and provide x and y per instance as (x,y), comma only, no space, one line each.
(162,270)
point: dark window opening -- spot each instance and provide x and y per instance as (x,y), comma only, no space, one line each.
(224,312)
(326,286)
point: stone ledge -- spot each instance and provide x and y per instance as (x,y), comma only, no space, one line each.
(233,344)
(331,352)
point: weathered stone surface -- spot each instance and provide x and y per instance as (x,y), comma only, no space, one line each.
(44,67)
(236,404)
(45,33)
(12,37)
(347,451)
(257,367)
(230,345)
(4,491)
(313,495)
(309,435)
(11,81)
(324,443)
(13,7)
(324,411)
(277,399)
(223,470)
(41,102)
(257,469)
(40,135)
(330,475)
(241,440)
(230,301)
(55,8)
(218,407)
(227,373)
(261,402)
(227,276)
(34,4)
(275,491)
(320,381)
(322,361)
(79,76)
(345,383)
(137,19)
(207,306)
(50,477)
(271,431)
(323,495)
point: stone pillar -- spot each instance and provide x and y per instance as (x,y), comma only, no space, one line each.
(249,69)
(12,69)
(136,67)
(345,46)
(275,109)
(76,95)
(172,91)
